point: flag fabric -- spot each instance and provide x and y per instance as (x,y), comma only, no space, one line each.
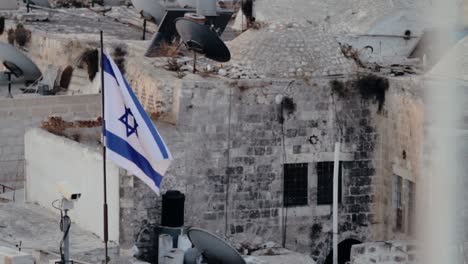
(131,139)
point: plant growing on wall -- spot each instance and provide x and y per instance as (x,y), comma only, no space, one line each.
(22,35)
(373,87)
(90,59)
(369,86)
(119,57)
(11,36)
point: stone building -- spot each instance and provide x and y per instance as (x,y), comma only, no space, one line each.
(253,142)
(254,155)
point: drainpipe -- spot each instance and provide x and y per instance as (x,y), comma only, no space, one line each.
(336,168)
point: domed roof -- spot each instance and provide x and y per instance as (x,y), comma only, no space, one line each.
(290,50)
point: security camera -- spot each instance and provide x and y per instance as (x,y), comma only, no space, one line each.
(68,191)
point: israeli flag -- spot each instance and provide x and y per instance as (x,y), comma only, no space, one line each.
(132,140)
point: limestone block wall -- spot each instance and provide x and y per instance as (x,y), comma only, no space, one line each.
(229,148)
(384,253)
(19,114)
(399,153)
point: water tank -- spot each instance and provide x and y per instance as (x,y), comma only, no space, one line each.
(206,7)
(173,209)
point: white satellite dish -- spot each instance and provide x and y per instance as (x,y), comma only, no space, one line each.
(18,63)
(213,249)
(150,8)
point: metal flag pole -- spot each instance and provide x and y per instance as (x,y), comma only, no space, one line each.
(104,149)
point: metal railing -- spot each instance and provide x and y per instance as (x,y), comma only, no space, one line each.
(4,188)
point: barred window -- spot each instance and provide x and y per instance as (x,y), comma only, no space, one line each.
(411,207)
(397,202)
(325,183)
(295,184)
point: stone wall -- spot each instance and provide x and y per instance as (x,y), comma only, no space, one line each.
(229,147)
(389,252)
(19,114)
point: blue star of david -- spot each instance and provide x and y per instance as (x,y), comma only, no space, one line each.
(128,119)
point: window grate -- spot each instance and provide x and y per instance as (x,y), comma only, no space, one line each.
(325,182)
(411,207)
(295,184)
(397,201)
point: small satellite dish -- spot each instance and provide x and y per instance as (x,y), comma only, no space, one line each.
(214,250)
(18,63)
(43,3)
(150,9)
(200,39)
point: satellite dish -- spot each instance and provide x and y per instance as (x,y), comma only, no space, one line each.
(167,31)
(150,9)
(17,63)
(214,249)
(200,39)
(43,3)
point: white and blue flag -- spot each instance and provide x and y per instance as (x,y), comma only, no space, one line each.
(132,140)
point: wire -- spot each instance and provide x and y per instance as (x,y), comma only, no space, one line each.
(53,204)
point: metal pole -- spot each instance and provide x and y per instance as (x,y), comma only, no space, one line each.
(144,29)
(336,168)
(104,149)
(66,239)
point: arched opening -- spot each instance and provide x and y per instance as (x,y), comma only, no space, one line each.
(344,251)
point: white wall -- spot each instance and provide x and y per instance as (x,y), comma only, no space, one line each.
(8,4)
(50,158)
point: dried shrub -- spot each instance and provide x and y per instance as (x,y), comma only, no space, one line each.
(288,105)
(338,88)
(66,76)
(119,57)
(11,36)
(257,25)
(57,126)
(22,35)
(166,50)
(2,25)
(351,53)
(155,115)
(373,87)
(90,59)
(173,65)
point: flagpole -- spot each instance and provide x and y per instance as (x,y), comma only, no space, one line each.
(104,150)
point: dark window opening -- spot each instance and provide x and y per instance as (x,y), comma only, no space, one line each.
(325,182)
(411,207)
(295,184)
